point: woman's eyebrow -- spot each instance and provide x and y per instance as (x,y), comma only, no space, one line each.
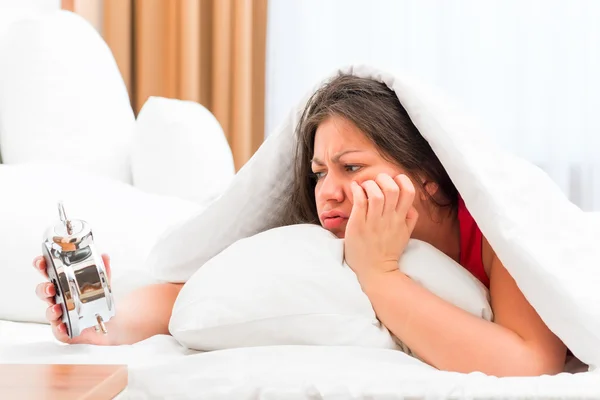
(336,157)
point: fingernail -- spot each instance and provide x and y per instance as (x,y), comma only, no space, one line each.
(37,263)
(48,288)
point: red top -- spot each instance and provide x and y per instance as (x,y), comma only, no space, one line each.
(470,244)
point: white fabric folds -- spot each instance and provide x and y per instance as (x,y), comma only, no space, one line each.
(549,246)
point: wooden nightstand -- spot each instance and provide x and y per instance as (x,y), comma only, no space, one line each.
(61,381)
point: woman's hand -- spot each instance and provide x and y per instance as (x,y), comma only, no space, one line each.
(380,225)
(46,292)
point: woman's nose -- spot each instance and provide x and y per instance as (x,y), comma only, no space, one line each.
(332,188)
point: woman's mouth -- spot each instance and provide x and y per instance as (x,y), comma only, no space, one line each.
(334,222)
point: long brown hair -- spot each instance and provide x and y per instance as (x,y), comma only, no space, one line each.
(375,109)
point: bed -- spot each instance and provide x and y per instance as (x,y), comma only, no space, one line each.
(160,368)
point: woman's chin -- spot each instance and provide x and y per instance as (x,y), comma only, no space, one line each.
(338,233)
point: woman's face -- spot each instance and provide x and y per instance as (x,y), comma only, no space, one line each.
(342,153)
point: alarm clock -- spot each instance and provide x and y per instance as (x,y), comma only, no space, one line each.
(78,273)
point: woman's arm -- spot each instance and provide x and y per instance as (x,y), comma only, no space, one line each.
(382,220)
(449,338)
(145,312)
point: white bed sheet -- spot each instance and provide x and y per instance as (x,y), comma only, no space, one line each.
(312,372)
(31,343)
(159,368)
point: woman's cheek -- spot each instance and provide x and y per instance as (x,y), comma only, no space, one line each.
(318,201)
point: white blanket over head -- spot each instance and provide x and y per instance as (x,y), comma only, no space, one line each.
(548,245)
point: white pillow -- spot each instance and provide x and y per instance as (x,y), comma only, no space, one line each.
(62,98)
(250,204)
(180,149)
(20,10)
(290,285)
(125,223)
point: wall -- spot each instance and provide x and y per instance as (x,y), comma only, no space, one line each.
(527,69)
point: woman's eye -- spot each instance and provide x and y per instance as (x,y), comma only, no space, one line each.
(352,168)
(318,175)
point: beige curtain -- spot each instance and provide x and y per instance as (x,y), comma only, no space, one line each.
(209,51)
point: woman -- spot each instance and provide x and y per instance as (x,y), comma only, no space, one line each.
(364,172)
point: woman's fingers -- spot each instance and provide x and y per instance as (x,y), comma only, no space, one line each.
(385,196)
(59,330)
(411,219)
(46,291)
(407,194)
(53,313)
(375,199)
(39,263)
(359,203)
(390,191)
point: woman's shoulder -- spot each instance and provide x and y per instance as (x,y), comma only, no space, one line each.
(487,255)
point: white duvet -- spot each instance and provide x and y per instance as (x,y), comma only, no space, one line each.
(159,368)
